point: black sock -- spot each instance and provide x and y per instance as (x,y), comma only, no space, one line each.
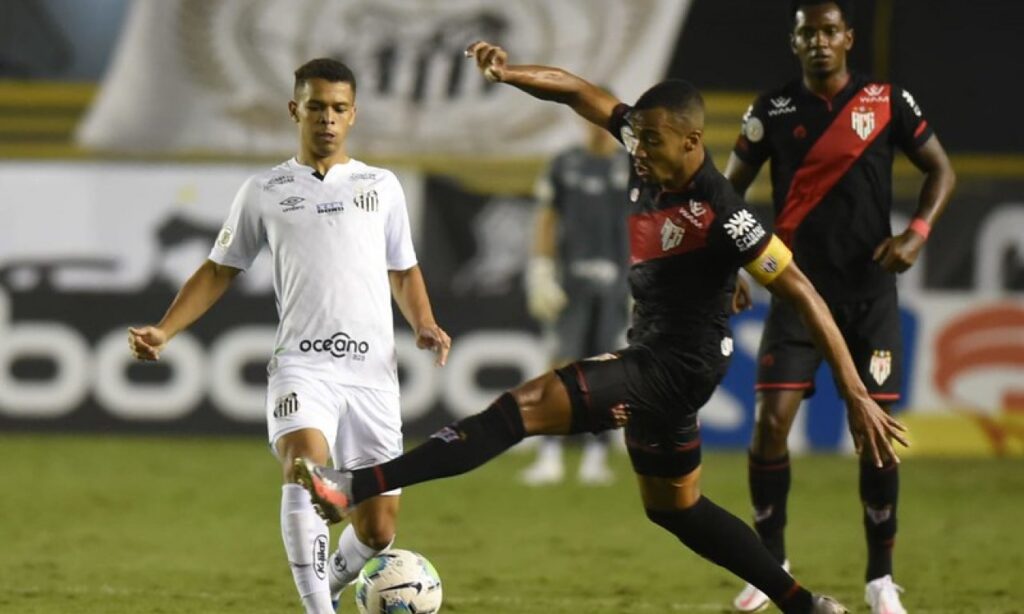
(455,449)
(725,540)
(769,491)
(879,493)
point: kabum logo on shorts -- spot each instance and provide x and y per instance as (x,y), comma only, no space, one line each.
(339,345)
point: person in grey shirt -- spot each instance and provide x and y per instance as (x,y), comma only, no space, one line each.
(580,250)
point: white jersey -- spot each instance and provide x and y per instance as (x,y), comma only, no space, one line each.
(332,242)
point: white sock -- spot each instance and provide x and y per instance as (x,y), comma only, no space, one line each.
(348,559)
(550,451)
(306,540)
(594,452)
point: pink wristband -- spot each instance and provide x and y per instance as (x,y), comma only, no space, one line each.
(921,227)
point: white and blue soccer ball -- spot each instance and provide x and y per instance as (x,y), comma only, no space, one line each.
(398,582)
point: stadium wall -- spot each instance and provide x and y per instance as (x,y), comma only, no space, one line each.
(81,259)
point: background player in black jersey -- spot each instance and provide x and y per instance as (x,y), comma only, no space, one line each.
(689,233)
(831,136)
(580,249)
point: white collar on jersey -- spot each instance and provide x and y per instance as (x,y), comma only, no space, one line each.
(298,167)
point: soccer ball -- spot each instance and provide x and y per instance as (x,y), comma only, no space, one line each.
(398,582)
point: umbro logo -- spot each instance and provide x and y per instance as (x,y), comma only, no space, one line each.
(286,405)
(291,203)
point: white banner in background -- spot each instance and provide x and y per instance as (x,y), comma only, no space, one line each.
(194,75)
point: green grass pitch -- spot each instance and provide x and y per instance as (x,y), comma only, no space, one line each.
(117,525)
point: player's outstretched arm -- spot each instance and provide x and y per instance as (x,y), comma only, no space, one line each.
(545,82)
(200,292)
(869,424)
(410,292)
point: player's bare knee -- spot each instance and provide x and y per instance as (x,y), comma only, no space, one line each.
(770,436)
(543,405)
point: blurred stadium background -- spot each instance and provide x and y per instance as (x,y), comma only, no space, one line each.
(126,126)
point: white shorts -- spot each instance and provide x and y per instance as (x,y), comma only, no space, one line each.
(362,426)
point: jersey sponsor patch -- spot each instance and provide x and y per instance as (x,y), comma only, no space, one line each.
(781,105)
(330,208)
(743,228)
(772,261)
(279,180)
(753,129)
(226,236)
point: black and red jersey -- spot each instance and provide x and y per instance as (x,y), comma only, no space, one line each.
(831,171)
(685,248)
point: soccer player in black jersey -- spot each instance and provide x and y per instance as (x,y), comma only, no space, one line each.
(689,233)
(831,136)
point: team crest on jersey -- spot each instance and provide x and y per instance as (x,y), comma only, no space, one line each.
(367,201)
(863,122)
(880,365)
(671,235)
(634,194)
(286,405)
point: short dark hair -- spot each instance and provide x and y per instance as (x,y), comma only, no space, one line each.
(845,8)
(676,95)
(327,69)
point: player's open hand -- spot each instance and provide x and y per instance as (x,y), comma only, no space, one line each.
(434,338)
(899,253)
(490,59)
(875,429)
(146,342)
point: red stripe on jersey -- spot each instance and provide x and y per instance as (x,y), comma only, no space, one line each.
(920,128)
(836,150)
(668,232)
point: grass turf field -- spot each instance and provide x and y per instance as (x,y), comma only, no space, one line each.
(118,525)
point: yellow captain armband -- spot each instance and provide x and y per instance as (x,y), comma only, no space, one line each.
(772,261)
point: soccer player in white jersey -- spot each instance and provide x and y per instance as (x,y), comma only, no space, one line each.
(339,234)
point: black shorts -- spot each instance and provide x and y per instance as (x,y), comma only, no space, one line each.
(788,358)
(661,389)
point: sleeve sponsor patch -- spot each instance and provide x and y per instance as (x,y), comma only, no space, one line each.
(743,228)
(772,261)
(226,237)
